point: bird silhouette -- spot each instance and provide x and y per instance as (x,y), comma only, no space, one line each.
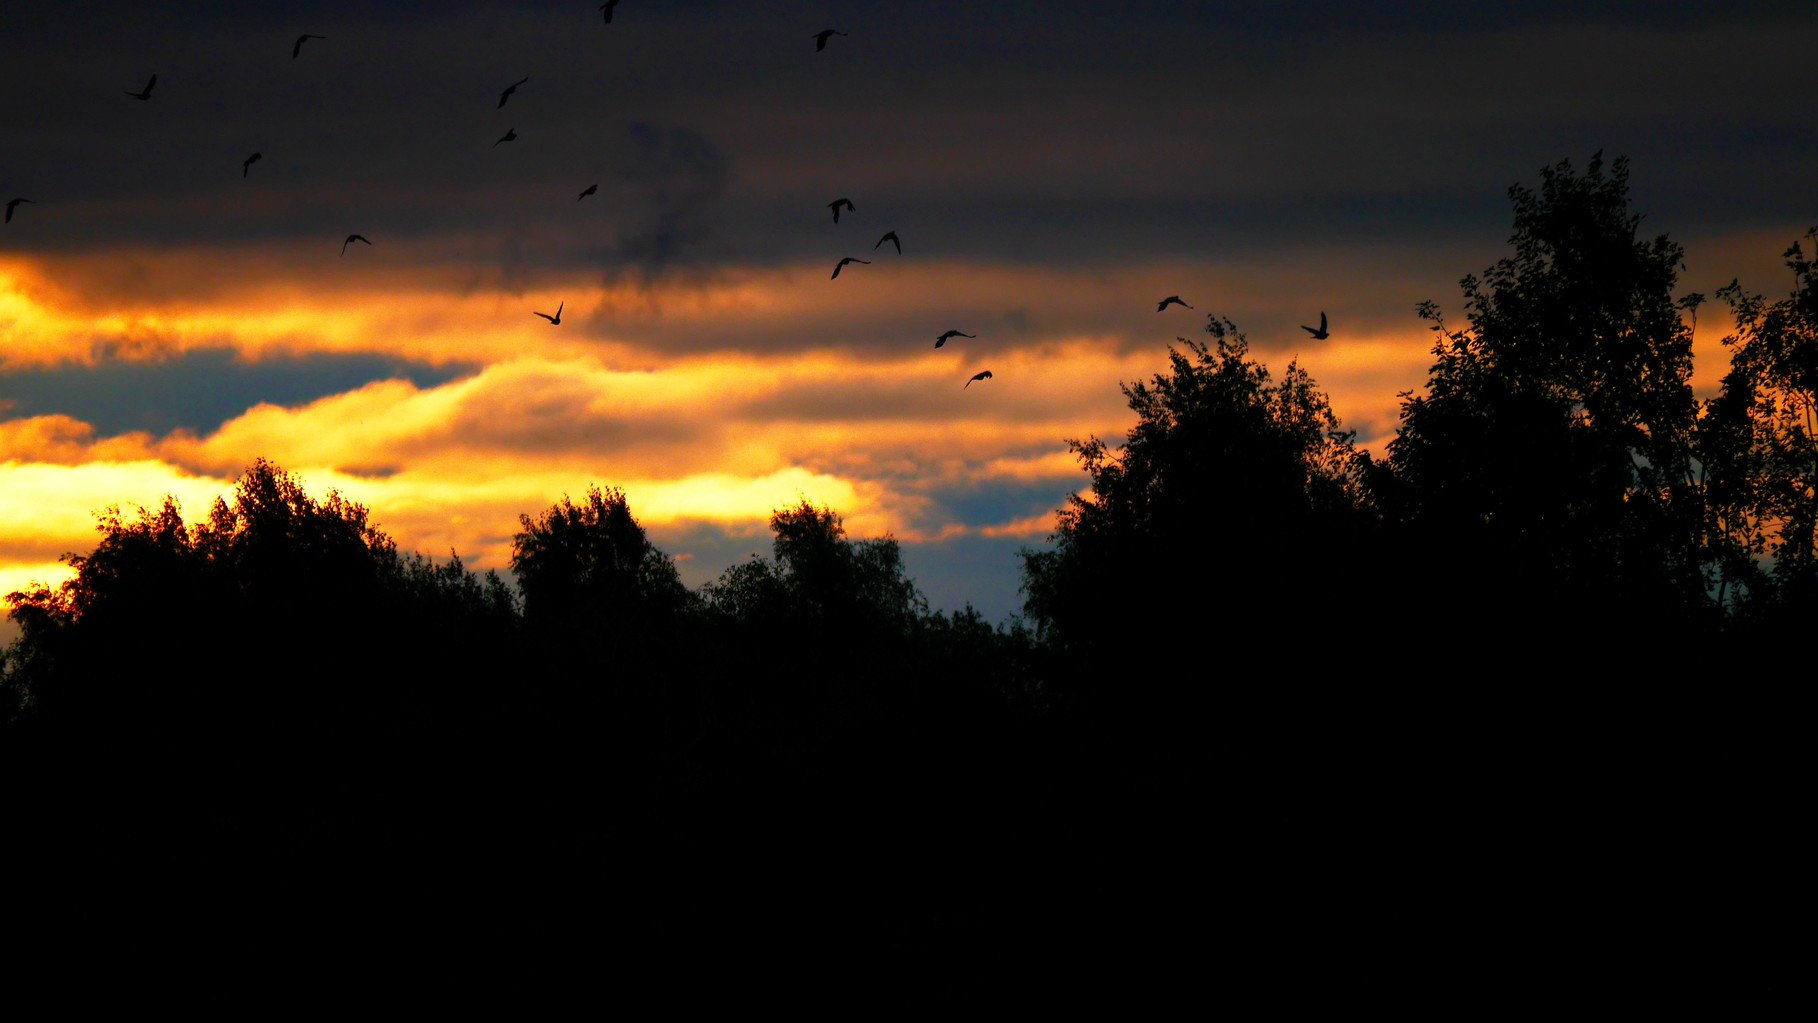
(585,192)
(939,341)
(890,237)
(510,135)
(350,240)
(297,47)
(848,259)
(1320,334)
(607,8)
(1175,299)
(12,205)
(556,320)
(145,93)
(509,89)
(246,165)
(985,375)
(835,207)
(820,38)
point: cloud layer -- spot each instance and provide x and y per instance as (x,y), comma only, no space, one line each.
(1052,172)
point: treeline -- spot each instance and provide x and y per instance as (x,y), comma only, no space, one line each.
(284,652)
(1244,618)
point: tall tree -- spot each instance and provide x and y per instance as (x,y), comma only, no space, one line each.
(1548,463)
(603,617)
(1760,451)
(1229,507)
(590,568)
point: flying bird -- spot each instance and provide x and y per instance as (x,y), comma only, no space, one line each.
(835,207)
(246,165)
(1320,334)
(297,47)
(939,341)
(13,205)
(509,89)
(848,259)
(1175,299)
(510,134)
(820,38)
(350,240)
(145,93)
(607,7)
(556,320)
(585,192)
(986,375)
(891,237)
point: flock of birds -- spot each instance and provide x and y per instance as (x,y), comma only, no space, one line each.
(820,44)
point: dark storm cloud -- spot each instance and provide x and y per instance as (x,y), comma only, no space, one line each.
(1060,133)
(671,181)
(198,391)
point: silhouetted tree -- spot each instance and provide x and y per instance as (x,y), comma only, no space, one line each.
(278,659)
(1760,441)
(812,647)
(822,581)
(1547,469)
(1232,508)
(80,660)
(603,623)
(589,568)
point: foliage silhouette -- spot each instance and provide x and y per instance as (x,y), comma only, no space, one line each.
(579,566)
(1550,459)
(1232,504)
(1759,435)
(819,638)
(258,665)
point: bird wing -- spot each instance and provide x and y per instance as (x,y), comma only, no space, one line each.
(1322,321)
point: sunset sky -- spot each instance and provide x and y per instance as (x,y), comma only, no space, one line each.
(1053,170)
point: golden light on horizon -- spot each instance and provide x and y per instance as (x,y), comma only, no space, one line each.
(714,400)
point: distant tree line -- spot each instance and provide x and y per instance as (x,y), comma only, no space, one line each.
(1240,593)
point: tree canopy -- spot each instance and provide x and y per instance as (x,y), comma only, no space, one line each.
(590,566)
(1760,451)
(1231,493)
(1550,456)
